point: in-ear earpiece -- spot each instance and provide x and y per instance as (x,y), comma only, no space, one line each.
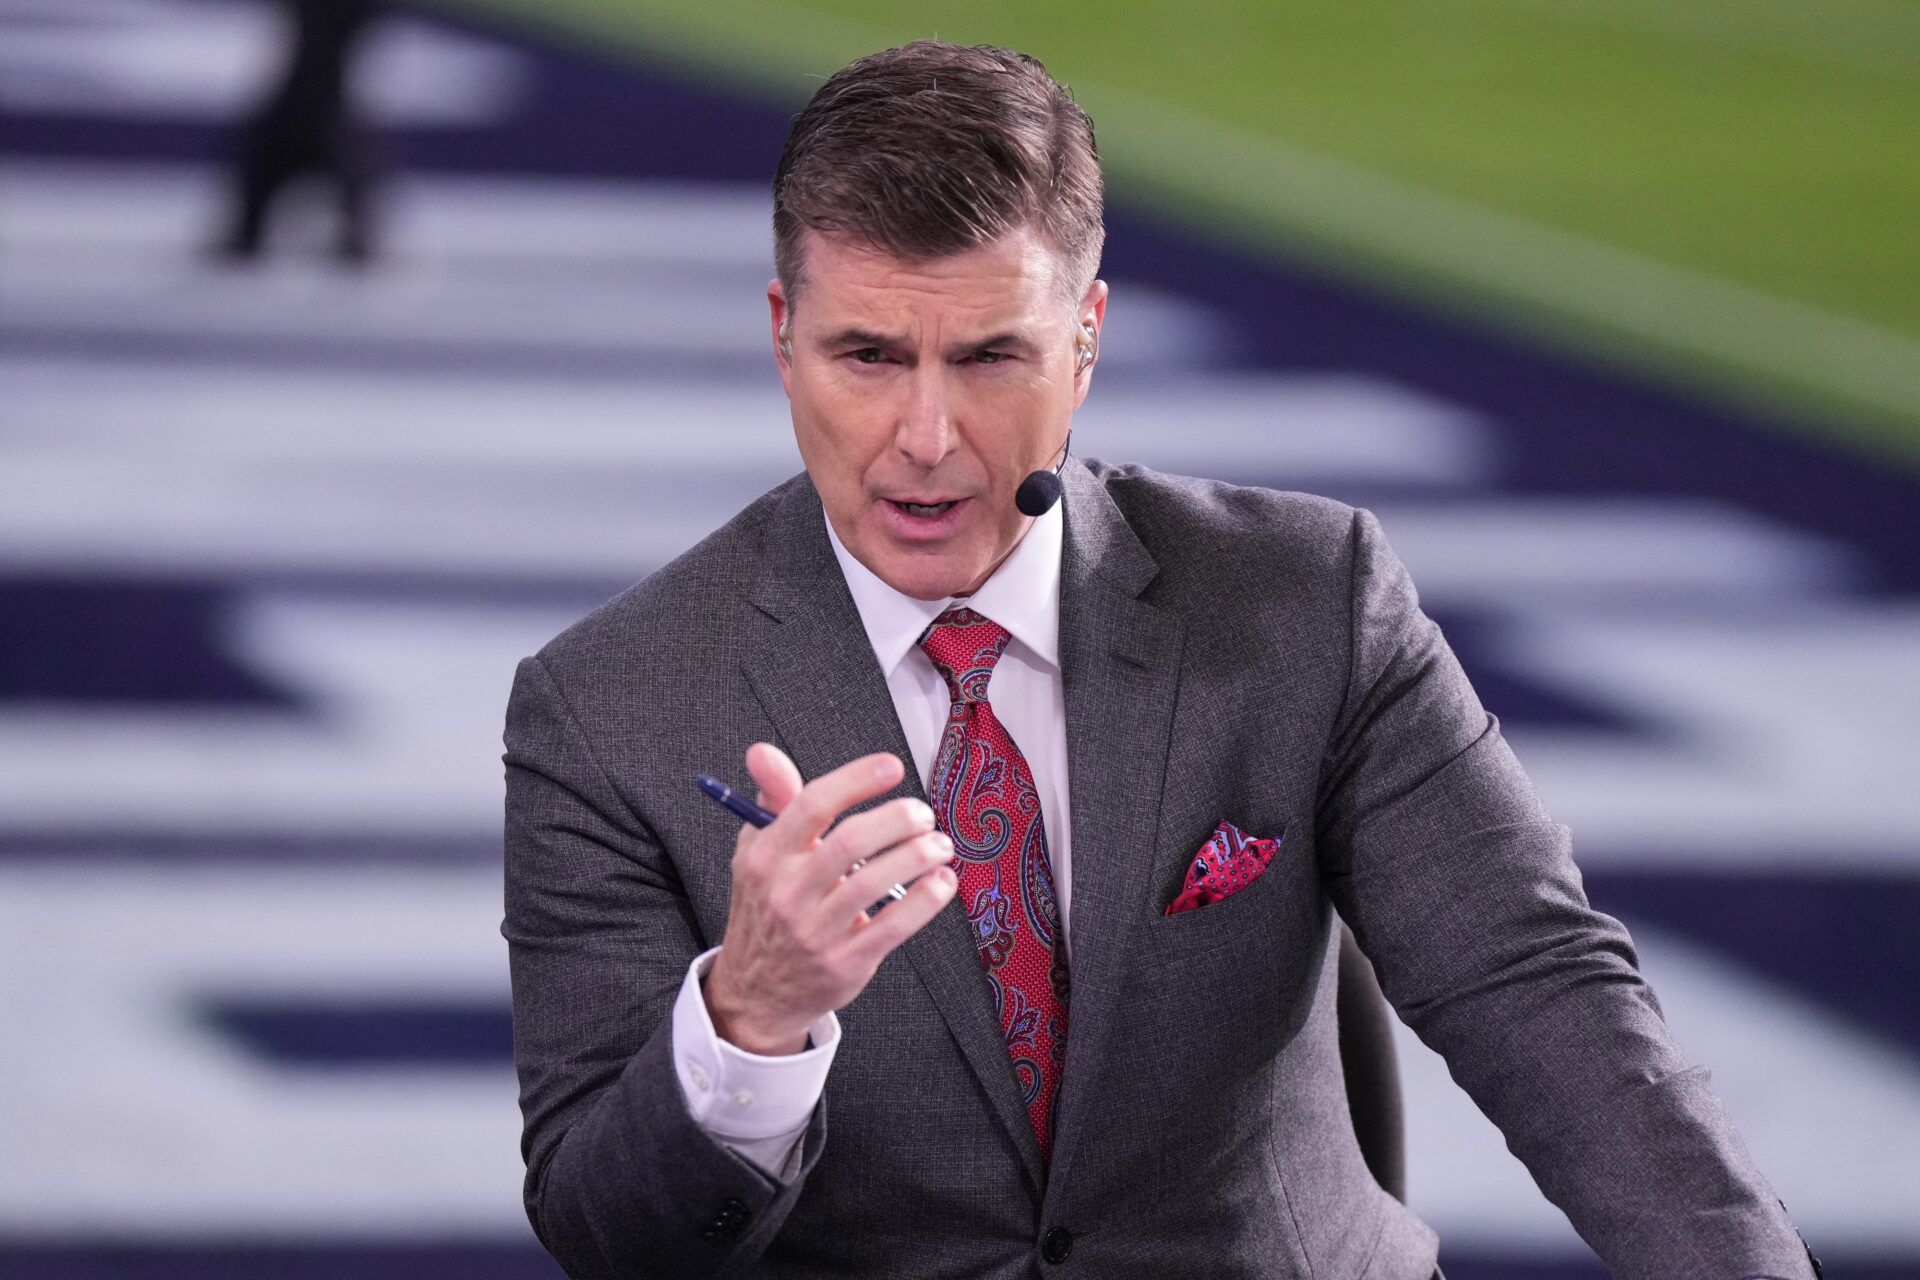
(1089,340)
(786,339)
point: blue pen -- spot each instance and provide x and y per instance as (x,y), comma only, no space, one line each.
(736,804)
(754,816)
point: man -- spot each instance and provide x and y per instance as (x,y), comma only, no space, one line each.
(1150,740)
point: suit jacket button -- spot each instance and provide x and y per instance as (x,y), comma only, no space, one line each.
(1057,1245)
(727,1222)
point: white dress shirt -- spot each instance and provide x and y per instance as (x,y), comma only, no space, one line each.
(759,1105)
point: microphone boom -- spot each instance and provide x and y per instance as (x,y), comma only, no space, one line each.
(1041,489)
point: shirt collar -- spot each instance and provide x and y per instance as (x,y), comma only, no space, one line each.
(1022,595)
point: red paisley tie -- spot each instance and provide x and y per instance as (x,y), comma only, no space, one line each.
(984,799)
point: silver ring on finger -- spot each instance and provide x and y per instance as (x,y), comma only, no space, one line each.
(894,894)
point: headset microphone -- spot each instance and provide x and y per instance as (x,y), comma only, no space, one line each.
(1040,490)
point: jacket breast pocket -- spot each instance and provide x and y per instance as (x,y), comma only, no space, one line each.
(1226,893)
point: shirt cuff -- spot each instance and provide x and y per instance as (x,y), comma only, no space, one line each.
(734,1094)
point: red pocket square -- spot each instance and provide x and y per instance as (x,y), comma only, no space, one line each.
(1228,862)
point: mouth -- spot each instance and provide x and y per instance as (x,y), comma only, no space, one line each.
(924,520)
(924,510)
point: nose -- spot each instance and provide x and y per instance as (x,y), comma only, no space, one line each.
(925,433)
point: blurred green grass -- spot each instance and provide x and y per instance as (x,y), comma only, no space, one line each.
(1719,192)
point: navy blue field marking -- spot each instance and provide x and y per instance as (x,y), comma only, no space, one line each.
(202,598)
(1468,1267)
(1483,1267)
(363,1034)
(171,1260)
(432,1260)
(106,846)
(1845,942)
(584,113)
(139,641)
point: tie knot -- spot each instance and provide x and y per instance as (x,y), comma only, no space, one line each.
(964,645)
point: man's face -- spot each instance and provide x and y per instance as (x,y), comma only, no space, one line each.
(924,393)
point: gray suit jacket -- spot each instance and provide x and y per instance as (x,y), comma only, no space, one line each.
(1227,653)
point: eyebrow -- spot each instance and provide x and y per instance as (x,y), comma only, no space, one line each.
(1008,341)
(858,338)
(855,337)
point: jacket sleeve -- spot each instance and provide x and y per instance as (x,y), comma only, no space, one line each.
(621,1179)
(1463,891)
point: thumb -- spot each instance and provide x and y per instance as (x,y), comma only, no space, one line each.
(778,777)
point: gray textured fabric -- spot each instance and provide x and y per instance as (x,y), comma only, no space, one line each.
(1227,653)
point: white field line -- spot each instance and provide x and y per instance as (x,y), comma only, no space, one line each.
(65,210)
(601,268)
(112,413)
(147,1123)
(211,469)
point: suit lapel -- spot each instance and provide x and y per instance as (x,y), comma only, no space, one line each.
(1120,669)
(816,677)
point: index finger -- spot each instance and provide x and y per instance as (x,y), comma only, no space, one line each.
(807,817)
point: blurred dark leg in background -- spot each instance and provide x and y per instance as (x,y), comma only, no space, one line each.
(308,126)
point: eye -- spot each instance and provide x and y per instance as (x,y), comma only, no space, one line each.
(868,355)
(989,357)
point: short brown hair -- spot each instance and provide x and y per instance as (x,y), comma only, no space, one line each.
(933,148)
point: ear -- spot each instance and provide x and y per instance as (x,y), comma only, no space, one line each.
(1088,317)
(780,319)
